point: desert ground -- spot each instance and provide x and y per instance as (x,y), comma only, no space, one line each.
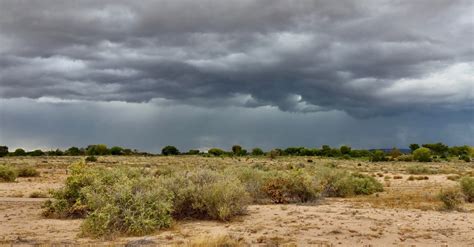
(407,213)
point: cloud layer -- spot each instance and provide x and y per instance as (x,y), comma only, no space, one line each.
(365,58)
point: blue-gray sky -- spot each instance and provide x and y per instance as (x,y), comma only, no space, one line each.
(267,73)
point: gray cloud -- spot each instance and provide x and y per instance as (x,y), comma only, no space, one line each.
(362,57)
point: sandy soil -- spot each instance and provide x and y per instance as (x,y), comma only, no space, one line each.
(403,215)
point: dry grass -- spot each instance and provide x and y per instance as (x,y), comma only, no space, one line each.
(212,241)
(423,198)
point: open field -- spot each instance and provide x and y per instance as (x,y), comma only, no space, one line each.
(408,211)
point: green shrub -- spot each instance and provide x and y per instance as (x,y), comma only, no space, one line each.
(465,158)
(452,198)
(169,150)
(216,151)
(113,201)
(91,159)
(419,169)
(252,179)
(405,157)
(28,172)
(206,194)
(7,173)
(257,152)
(467,187)
(422,154)
(378,155)
(290,186)
(132,207)
(340,183)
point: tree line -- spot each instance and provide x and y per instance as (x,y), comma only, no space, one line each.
(424,152)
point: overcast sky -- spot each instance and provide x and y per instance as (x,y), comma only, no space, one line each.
(267,73)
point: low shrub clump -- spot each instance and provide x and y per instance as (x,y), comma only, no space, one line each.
(467,187)
(422,155)
(27,172)
(290,186)
(419,169)
(91,159)
(452,198)
(118,201)
(340,183)
(206,194)
(7,173)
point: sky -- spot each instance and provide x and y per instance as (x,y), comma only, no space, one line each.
(259,73)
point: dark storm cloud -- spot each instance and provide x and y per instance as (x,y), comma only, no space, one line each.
(361,57)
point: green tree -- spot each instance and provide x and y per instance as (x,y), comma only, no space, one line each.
(19,152)
(395,153)
(73,151)
(193,151)
(3,151)
(36,152)
(169,150)
(236,149)
(257,151)
(216,151)
(345,150)
(378,155)
(414,147)
(99,149)
(422,154)
(116,150)
(437,148)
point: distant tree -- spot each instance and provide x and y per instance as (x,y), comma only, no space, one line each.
(459,150)
(116,150)
(422,154)
(309,152)
(19,152)
(345,150)
(414,147)
(56,152)
(99,149)
(293,151)
(36,152)
(127,151)
(335,152)
(73,151)
(216,151)
(275,153)
(194,151)
(257,151)
(437,148)
(325,150)
(378,155)
(3,151)
(395,153)
(169,150)
(236,149)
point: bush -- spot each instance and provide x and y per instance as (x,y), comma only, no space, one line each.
(91,159)
(422,154)
(3,151)
(169,150)
(99,149)
(467,187)
(418,169)
(405,157)
(465,158)
(340,183)
(206,194)
(377,156)
(294,186)
(216,151)
(7,173)
(257,152)
(19,152)
(27,172)
(113,201)
(116,150)
(451,198)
